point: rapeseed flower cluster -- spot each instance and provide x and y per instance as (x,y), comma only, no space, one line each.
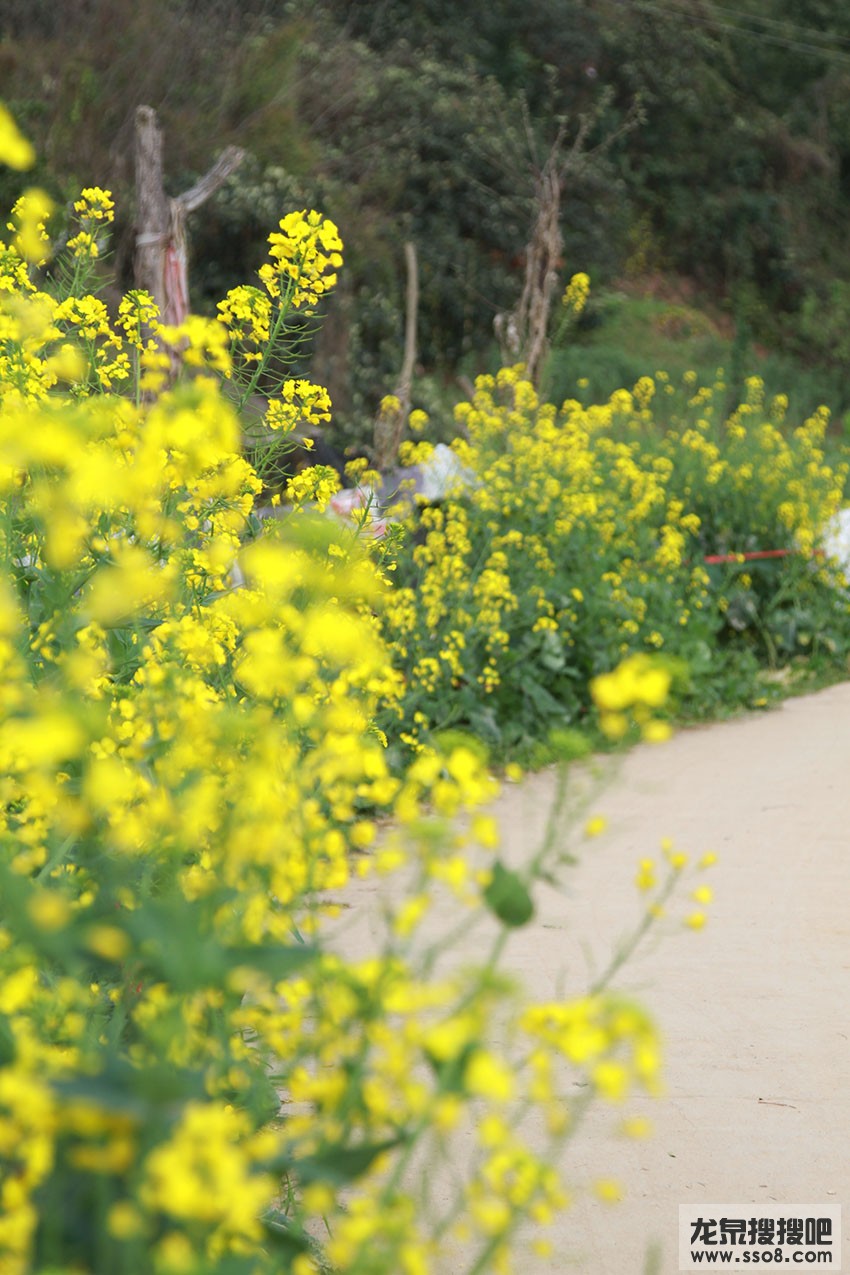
(576,293)
(638,685)
(192,1077)
(29,225)
(305,252)
(95,211)
(585,541)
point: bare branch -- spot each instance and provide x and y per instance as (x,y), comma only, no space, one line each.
(227,163)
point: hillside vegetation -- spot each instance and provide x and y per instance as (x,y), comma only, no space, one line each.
(716,156)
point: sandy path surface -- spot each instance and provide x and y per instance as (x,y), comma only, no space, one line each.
(754,1009)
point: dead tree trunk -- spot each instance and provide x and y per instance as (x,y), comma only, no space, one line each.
(152,215)
(542,267)
(161,263)
(523,333)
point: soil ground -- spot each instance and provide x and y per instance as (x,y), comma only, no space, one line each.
(754,1009)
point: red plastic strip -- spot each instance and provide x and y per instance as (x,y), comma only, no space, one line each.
(712,559)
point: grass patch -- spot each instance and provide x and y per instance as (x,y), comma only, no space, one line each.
(624,336)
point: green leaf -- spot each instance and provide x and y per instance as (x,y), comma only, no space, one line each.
(451,1071)
(142,1093)
(281,961)
(508,898)
(340,1165)
(284,1235)
(552,655)
(174,945)
(8,1047)
(542,700)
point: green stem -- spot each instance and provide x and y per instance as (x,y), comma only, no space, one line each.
(282,315)
(57,857)
(627,949)
(482,1262)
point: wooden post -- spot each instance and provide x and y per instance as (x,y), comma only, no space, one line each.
(161,266)
(405,380)
(152,215)
(389,425)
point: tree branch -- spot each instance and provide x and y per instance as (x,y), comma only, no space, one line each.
(227,163)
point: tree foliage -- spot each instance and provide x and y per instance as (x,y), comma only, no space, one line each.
(413,122)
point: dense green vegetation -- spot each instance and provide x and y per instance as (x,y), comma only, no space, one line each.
(718,154)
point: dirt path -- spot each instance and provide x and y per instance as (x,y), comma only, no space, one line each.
(755,1009)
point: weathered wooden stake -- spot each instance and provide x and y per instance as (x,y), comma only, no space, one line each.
(161,263)
(389,425)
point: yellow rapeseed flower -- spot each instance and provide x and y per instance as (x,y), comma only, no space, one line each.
(15,150)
